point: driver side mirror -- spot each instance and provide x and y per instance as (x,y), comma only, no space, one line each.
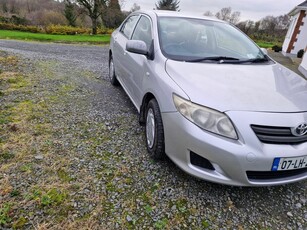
(139,47)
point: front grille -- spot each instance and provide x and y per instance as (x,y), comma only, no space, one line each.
(269,175)
(277,135)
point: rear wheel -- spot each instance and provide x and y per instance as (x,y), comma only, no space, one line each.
(154,131)
(112,75)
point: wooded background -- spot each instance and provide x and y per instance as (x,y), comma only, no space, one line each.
(109,14)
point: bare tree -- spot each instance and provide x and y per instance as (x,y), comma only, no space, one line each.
(226,14)
(268,24)
(13,7)
(135,7)
(246,26)
(5,8)
(257,26)
(235,17)
(275,26)
(94,10)
(208,13)
(283,22)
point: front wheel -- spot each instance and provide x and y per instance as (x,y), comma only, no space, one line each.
(154,131)
(112,75)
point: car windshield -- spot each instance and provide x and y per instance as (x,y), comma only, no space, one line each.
(197,40)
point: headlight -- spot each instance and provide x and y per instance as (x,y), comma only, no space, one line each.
(207,119)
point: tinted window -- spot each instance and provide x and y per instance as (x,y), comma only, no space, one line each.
(128,26)
(143,31)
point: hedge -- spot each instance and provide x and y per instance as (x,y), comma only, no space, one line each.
(53,29)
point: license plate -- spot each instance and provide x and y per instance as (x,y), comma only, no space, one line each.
(289,163)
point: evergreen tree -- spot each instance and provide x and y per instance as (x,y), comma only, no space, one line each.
(168,5)
(112,15)
(69,13)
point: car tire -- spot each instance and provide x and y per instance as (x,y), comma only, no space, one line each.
(112,74)
(154,131)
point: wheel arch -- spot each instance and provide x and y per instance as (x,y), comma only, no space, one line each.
(110,55)
(147,97)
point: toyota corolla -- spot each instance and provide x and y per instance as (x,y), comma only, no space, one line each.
(211,100)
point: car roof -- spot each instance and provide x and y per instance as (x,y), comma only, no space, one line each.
(168,13)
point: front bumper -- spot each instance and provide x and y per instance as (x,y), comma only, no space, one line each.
(232,159)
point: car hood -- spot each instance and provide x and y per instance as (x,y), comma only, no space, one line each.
(225,87)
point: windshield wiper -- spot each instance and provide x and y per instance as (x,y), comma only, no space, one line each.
(221,59)
(255,60)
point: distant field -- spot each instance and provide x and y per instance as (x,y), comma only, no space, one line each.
(18,35)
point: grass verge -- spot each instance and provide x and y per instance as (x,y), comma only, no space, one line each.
(18,35)
(266,45)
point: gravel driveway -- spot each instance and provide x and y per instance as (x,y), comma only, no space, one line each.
(74,156)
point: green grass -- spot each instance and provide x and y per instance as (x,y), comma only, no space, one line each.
(18,35)
(4,213)
(266,44)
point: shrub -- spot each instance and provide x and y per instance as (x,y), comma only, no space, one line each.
(14,20)
(18,20)
(53,29)
(69,30)
(32,29)
(10,26)
(277,48)
(104,31)
(66,30)
(300,53)
(4,19)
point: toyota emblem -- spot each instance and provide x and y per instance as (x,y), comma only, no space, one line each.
(300,130)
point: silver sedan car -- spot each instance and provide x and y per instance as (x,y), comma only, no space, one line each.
(211,99)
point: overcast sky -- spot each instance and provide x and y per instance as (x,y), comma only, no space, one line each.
(250,9)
